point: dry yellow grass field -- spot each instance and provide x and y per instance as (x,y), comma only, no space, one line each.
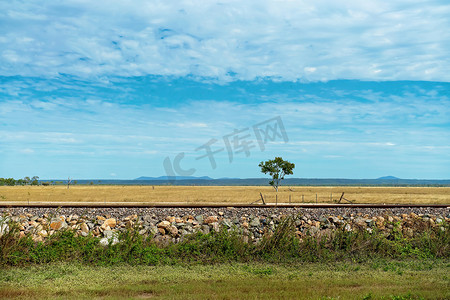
(223,194)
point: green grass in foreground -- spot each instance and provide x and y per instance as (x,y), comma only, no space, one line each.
(377,279)
(221,265)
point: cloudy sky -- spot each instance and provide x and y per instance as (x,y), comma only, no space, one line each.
(122,89)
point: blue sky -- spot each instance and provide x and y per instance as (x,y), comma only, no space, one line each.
(113,89)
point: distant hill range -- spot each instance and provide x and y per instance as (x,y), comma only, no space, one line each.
(208,181)
(174,178)
(388,177)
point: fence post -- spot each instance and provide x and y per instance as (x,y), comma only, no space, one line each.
(316,198)
(262,198)
(289,198)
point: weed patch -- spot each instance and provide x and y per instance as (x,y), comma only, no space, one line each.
(225,246)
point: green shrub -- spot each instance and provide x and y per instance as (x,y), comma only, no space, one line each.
(224,246)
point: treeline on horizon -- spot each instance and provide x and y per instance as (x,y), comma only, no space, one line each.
(33,181)
(25,181)
(234,182)
(286,182)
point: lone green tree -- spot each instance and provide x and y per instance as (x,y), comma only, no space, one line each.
(277,168)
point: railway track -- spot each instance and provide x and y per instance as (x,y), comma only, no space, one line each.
(208,205)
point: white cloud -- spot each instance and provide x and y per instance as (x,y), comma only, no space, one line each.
(285,40)
(136,123)
(26,151)
(333,156)
(191,125)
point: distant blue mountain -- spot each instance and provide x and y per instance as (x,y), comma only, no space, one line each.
(229,178)
(389,178)
(205,181)
(174,178)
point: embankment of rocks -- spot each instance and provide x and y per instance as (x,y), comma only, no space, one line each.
(173,224)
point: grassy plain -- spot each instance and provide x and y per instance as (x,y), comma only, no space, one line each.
(223,194)
(370,280)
